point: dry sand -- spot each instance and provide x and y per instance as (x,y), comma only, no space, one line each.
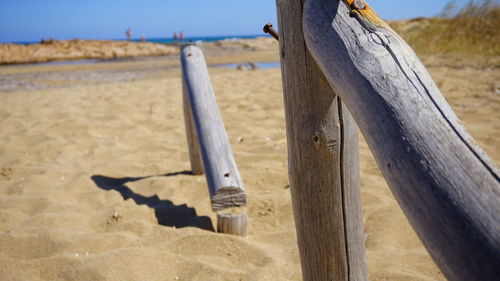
(76,49)
(94,182)
(79,49)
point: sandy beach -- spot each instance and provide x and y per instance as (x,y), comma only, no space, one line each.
(53,50)
(95,182)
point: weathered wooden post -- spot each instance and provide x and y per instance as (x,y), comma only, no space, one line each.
(223,177)
(447,187)
(192,138)
(322,160)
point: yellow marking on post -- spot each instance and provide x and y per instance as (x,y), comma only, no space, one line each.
(366,12)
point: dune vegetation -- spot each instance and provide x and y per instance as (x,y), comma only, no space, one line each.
(470,29)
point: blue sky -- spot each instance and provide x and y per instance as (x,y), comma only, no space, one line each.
(31,20)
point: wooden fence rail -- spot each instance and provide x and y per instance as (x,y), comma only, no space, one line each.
(447,187)
(209,147)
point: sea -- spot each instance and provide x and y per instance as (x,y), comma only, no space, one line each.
(205,39)
(260,65)
(171,40)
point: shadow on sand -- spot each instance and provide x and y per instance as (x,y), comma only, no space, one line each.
(166,212)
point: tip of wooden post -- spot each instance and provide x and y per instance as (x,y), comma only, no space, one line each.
(232,221)
(363,9)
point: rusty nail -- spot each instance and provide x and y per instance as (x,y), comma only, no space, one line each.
(268,28)
(359,4)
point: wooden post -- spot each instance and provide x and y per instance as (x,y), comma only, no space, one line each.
(323,161)
(232,222)
(447,187)
(192,138)
(224,182)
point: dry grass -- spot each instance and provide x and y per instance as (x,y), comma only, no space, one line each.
(472,30)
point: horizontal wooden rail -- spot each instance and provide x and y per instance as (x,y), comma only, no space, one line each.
(205,131)
(447,187)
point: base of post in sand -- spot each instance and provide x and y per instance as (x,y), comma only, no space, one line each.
(232,221)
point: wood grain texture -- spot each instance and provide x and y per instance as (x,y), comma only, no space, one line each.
(233,222)
(192,138)
(322,147)
(223,178)
(353,215)
(447,187)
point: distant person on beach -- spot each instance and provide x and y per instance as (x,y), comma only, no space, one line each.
(175,37)
(129,34)
(143,38)
(182,36)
